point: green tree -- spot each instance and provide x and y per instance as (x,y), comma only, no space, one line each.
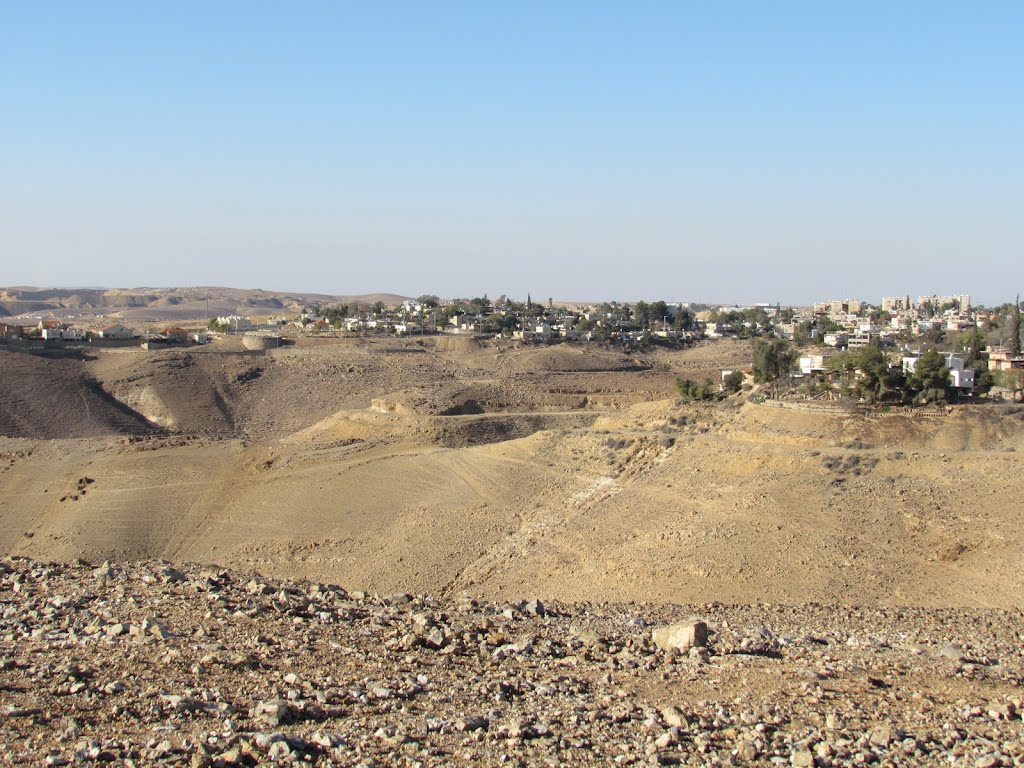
(878,381)
(828,325)
(773,359)
(683,320)
(755,316)
(336,315)
(690,390)
(845,363)
(447,312)
(868,374)
(428,300)
(641,312)
(930,378)
(603,331)
(657,312)
(500,324)
(934,336)
(733,381)
(970,343)
(802,332)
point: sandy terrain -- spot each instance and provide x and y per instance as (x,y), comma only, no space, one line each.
(453,466)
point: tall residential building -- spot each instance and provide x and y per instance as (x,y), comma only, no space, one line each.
(839,307)
(896,303)
(962,302)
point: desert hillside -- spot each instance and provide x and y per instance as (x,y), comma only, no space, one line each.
(458,466)
(168,304)
(49,398)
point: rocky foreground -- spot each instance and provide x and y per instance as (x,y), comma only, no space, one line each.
(152,663)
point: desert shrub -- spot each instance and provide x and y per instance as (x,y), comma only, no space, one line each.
(690,390)
(733,381)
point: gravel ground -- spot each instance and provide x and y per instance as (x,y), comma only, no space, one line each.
(153,663)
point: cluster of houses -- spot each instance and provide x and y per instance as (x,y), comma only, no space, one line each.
(961,377)
(58,331)
(541,324)
(897,321)
(852,324)
(845,324)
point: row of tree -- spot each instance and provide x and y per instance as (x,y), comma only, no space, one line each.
(867,373)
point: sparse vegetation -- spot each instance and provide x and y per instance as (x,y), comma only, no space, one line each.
(690,390)
(732,382)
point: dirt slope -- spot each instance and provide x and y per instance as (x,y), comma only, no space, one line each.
(48,398)
(745,507)
(450,466)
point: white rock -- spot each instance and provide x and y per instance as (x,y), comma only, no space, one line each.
(684,635)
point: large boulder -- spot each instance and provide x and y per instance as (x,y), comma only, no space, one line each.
(684,635)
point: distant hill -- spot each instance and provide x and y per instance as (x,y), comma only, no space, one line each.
(169,304)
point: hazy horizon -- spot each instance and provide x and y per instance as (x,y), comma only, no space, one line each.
(790,152)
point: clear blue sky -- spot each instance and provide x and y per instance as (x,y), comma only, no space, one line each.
(680,150)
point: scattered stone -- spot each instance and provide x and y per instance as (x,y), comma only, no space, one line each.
(803,758)
(261,671)
(674,717)
(272,713)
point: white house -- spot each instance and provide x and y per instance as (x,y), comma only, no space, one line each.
(962,378)
(959,376)
(836,339)
(859,340)
(786,330)
(116,332)
(235,322)
(812,364)
(62,334)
